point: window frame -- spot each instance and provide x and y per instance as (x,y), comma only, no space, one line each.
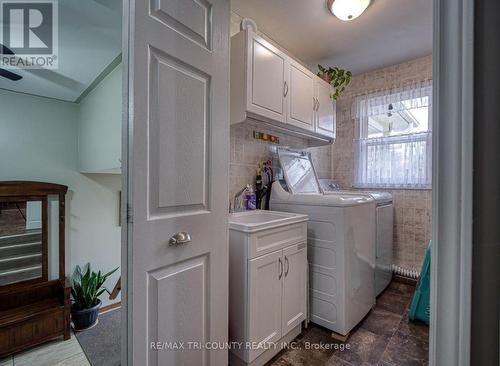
(362,132)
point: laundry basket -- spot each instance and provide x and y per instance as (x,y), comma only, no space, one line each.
(420,304)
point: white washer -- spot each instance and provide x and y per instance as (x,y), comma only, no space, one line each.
(341,243)
(385,231)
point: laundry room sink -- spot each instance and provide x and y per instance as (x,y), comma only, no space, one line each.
(267,282)
(256,220)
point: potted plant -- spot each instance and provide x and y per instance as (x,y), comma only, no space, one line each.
(85,291)
(336,77)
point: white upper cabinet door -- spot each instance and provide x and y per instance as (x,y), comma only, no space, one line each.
(300,96)
(177,64)
(294,287)
(266,82)
(325,110)
(264,318)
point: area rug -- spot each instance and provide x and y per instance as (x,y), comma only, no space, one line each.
(101,343)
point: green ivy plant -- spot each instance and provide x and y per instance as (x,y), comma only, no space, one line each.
(338,78)
(87,287)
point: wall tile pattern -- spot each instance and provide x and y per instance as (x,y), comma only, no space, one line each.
(247,153)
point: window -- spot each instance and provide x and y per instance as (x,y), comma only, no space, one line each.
(394,148)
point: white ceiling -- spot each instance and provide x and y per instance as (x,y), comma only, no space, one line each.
(388,32)
(90,39)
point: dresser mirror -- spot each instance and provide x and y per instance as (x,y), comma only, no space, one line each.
(23,239)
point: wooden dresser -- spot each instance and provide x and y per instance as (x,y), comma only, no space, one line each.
(34,291)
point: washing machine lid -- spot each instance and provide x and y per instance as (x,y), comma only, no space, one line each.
(381,197)
(336,199)
(298,170)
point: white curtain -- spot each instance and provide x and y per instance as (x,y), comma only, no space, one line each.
(394,162)
(415,95)
(401,161)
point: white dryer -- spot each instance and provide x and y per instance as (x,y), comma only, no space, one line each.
(341,243)
(385,231)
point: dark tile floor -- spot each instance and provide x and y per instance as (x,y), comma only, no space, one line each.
(385,337)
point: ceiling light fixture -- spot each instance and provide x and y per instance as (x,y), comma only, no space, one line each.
(347,9)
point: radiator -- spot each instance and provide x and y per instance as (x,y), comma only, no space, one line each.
(405,272)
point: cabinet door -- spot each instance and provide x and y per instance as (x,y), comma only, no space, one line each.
(264,318)
(266,79)
(325,110)
(294,287)
(300,97)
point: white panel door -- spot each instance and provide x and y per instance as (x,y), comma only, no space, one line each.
(264,315)
(301,97)
(325,110)
(294,287)
(266,84)
(178,82)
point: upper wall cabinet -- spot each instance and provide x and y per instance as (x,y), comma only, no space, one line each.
(266,80)
(300,95)
(325,109)
(270,88)
(99,126)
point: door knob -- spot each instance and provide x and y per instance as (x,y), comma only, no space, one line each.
(179,238)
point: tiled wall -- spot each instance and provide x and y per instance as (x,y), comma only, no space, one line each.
(412,219)
(247,153)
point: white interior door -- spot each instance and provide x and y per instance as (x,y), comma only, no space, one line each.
(294,287)
(301,97)
(267,79)
(33,215)
(264,319)
(325,114)
(178,65)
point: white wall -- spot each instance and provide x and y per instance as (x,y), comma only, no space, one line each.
(38,141)
(99,126)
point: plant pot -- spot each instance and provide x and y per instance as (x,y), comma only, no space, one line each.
(85,318)
(326,78)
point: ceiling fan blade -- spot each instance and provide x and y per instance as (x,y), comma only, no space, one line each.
(10,75)
(5,50)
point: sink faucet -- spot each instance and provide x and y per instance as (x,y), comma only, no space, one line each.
(236,200)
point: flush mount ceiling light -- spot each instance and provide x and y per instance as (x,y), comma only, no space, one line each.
(347,9)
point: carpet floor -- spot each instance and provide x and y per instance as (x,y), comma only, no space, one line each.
(101,344)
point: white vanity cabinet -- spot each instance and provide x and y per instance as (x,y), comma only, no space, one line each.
(294,287)
(270,88)
(267,284)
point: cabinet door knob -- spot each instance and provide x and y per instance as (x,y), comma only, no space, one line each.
(287,266)
(179,238)
(281,268)
(285,89)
